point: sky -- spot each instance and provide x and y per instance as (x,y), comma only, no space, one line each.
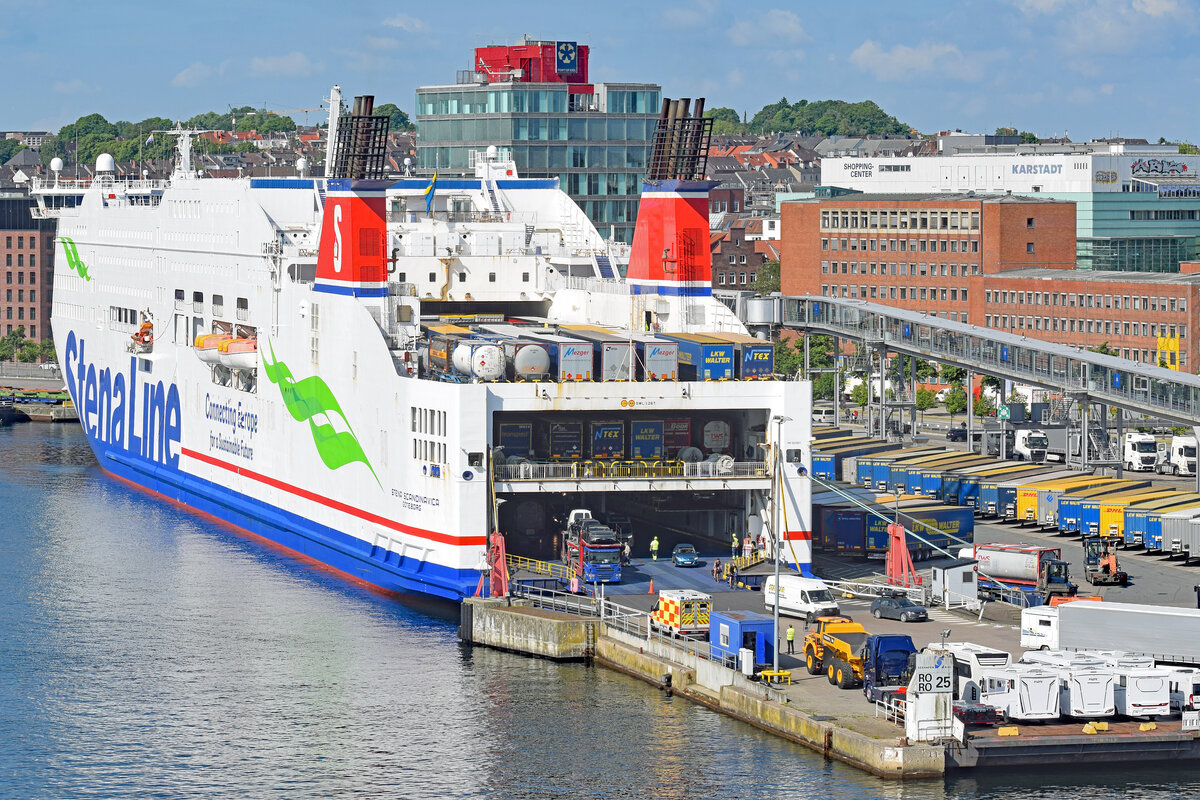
(1084,68)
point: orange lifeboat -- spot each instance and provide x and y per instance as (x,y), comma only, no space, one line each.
(238,353)
(206,345)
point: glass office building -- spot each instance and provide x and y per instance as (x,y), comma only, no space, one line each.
(595,139)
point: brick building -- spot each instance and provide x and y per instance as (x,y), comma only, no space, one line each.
(1001,261)
(28,252)
(737,255)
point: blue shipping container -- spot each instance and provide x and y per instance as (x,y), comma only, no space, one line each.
(646,437)
(703,357)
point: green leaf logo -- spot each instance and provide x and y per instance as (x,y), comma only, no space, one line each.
(312,400)
(73,260)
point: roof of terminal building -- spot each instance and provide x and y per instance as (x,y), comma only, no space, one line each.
(900,197)
(1098,276)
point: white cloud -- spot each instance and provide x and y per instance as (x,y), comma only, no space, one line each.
(193,74)
(772,27)
(1040,6)
(903,62)
(1107,88)
(294,65)
(406,23)
(69,87)
(696,15)
(1156,8)
(381,43)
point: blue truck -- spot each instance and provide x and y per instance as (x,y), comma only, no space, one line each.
(887,664)
(592,549)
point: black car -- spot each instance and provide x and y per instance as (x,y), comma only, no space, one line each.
(898,607)
(956,435)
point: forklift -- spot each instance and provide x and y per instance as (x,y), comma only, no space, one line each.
(1100,562)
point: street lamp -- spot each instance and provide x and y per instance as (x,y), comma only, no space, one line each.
(777,539)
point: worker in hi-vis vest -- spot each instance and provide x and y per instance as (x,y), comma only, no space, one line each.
(791,639)
(654,549)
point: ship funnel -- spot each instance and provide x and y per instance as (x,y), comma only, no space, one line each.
(670,253)
(350,260)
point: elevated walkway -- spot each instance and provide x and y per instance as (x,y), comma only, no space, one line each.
(1130,385)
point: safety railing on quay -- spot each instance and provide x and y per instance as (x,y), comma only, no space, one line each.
(876,589)
(548,568)
(555,600)
(1133,385)
(608,470)
(891,708)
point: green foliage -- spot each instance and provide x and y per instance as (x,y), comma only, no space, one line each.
(1017,399)
(1103,349)
(47,350)
(725,121)
(85,126)
(926,399)
(265,122)
(29,351)
(399,119)
(955,402)
(828,117)
(925,370)
(951,374)
(768,280)
(989,382)
(859,395)
(788,358)
(51,149)
(9,148)
(984,407)
(12,343)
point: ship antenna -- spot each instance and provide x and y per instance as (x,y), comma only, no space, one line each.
(335,114)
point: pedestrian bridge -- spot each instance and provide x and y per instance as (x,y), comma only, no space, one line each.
(1130,385)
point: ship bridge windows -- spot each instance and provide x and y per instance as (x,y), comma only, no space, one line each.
(243,309)
(428,422)
(218,305)
(198,302)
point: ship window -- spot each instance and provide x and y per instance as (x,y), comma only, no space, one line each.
(402,277)
(491,277)
(243,309)
(218,304)
(462,277)
(525,277)
(412,424)
(475,460)
(432,277)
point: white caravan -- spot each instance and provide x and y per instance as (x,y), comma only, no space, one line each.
(1086,686)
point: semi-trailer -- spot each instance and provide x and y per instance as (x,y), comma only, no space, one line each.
(1179,536)
(1035,499)
(1166,634)
(753,358)
(1141,517)
(657,359)
(848,529)
(954,483)
(936,484)
(881,468)
(570,358)
(998,493)
(1104,515)
(928,479)
(1037,571)
(702,357)
(1070,505)
(869,469)
(838,460)
(612,355)
(905,477)
(970,487)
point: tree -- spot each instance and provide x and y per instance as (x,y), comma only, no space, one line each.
(725,121)
(826,117)
(788,358)
(955,402)
(984,407)
(951,374)
(859,395)
(47,351)
(768,278)
(1103,349)
(10,343)
(1017,399)
(926,399)
(399,119)
(9,148)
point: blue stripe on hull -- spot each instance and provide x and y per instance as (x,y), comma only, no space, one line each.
(382,568)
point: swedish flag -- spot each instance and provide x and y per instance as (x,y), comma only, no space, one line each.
(429,192)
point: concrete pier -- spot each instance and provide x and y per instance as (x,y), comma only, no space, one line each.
(524,629)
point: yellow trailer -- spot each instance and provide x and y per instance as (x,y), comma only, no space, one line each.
(1030,496)
(1112,510)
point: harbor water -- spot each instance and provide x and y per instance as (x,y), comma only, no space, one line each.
(149,652)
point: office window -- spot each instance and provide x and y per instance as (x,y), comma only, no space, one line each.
(1029,222)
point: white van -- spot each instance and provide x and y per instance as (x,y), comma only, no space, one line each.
(803,597)
(824,416)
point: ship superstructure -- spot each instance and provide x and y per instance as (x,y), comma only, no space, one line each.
(376,373)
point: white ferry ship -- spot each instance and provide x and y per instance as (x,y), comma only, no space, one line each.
(378,373)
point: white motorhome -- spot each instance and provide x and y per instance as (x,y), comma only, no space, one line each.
(1143,692)
(1021,691)
(1177,456)
(1039,628)
(1185,688)
(1086,686)
(1139,452)
(804,597)
(971,662)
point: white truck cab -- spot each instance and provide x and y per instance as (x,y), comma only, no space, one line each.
(1177,456)
(1031,445)
(1139,452)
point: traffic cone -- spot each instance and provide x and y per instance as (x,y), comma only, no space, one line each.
(651,591)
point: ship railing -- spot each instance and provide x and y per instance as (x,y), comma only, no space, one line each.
(549,568)
(632,470)
(48,185)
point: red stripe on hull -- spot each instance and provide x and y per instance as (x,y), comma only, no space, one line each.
(798,536)
(434,536)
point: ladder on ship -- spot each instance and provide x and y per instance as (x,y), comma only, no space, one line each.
(604,267)
(492,197)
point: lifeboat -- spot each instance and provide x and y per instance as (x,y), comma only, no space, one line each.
(238,353)
(206,346)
